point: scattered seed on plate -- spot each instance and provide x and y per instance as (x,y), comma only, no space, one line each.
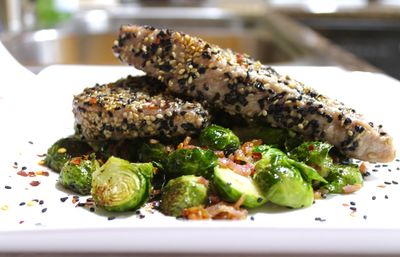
(44,210)
(252,218)
(353,208)
(21,221)
(395,182)
(111,217)
(7,187)
(320,219)
(373,197)
(63,199)
(387,183)
(30,142)
(386,197)
(352,203)
(22,203)
(34,183)
(365,217)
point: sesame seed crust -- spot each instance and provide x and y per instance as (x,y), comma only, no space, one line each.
(135,107)
(240,85)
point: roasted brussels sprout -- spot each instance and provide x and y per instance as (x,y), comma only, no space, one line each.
(341,177)
(183,192)
(194,161)
(63,150)
(153,152)
(120,185)
(219,138)
(76,174)
(285,181)
(269,135)
(314,154)
(280,158)
(282,184)
(231,186)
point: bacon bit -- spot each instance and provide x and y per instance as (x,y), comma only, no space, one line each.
(239,202)
(311,147)
(363,167)
(244,170)
(22,173)
(76,160)
(34,183)
(93,100)
(350,188)
(203,181)
(219,154)
(42,173)
(381,186)
(256,156)
(31,174)
(225,211)
(213,199)
(195,213)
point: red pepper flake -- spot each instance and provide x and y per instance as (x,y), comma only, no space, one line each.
(22,173)
(76,161)
(93,100)
(31,174)
(34,183)
(311,147)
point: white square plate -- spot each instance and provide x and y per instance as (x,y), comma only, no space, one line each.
(33,218)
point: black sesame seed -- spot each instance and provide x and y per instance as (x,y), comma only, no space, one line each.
(386,197)
(7,187)
(41,202)
(21,203)
(30,142)
(347,121)
(387,183)
(44,210)
(251,218)
(63,199)
(141,216)
(23,168)
(91,209)
(365,217)
(373,197)
(353,208)
(111,218)
(352,203)
(395,182)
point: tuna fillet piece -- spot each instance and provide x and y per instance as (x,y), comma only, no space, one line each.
(135,107)
(240,85)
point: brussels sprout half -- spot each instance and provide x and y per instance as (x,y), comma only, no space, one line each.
(63,150)
(183,192)
(76,174)
(231,186)
(120,185)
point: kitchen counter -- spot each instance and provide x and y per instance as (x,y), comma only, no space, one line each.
(261,32)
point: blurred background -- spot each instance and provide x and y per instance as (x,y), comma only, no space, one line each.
(353,34)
